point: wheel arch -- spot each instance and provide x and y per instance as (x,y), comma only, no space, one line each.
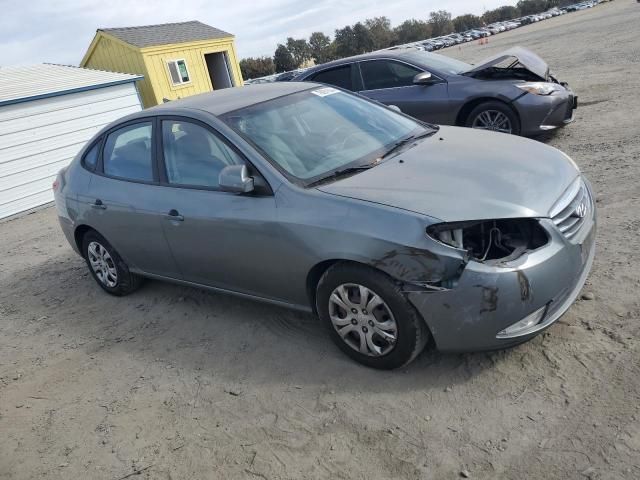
(313,277)
(467,108)
(315,274)
(79,233)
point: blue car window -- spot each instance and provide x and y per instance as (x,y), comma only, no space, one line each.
(339,76)
(378,74)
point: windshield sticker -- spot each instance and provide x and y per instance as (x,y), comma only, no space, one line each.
(323,92)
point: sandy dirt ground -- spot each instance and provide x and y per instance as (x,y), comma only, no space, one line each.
(177,383)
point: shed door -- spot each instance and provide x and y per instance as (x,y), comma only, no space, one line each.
(219,71)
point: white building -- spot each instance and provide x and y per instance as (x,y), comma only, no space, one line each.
(47,113)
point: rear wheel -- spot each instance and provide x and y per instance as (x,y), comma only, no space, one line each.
(107,267)
(494,116)
(368,316)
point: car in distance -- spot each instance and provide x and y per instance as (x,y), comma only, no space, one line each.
(392,230)
(512,92)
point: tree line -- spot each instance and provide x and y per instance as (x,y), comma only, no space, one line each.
(377,33)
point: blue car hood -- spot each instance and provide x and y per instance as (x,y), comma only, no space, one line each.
(465,174)
(523,56)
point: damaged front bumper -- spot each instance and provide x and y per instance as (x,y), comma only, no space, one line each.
(491,297)
(540,113)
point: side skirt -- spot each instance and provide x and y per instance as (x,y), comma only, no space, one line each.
(293,306)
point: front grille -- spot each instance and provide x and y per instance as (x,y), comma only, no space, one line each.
(572,209)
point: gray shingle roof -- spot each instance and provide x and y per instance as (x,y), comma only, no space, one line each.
(166,33)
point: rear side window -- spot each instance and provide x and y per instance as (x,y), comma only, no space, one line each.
(340,77)
(127,153)
(90,159)
(377,74)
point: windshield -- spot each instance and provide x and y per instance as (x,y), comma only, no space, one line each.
(314,133)
(438,62)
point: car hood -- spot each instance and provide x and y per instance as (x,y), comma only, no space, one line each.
(525,57)
(466,174)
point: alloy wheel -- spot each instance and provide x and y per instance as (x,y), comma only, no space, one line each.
(492,120)
(363,320)
(102,264)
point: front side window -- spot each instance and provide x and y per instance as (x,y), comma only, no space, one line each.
(178,72)
(311,133)
(127,153)
(193,155)
(437,62)
(378,74)
(340,77)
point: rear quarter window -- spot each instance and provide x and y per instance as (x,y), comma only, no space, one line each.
(90,158)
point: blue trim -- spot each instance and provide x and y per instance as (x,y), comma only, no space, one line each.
(67,92)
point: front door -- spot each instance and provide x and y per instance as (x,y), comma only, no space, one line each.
(218,238)
(391,82)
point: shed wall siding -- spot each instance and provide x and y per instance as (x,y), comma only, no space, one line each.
(115,56)
(156,59)
(39,138)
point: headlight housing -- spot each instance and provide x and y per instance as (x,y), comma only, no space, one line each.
(540,88)
(486,240)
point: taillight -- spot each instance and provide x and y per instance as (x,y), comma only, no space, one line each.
(55,185)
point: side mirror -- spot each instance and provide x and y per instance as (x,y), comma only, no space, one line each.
(235,179)
(424,78)
(395,108)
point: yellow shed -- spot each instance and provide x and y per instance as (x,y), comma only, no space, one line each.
(176,59)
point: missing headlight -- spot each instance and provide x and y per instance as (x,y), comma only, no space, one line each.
(504,240)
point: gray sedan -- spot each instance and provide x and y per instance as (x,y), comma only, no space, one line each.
(512,92)
(393,231)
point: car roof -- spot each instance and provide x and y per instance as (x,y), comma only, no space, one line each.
(226,100)
(397,52)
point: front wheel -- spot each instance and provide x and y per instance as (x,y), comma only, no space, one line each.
(494,116)
(368,316)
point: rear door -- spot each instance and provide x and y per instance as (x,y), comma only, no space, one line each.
(391,82)
(122,199)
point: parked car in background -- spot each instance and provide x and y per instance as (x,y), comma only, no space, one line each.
(393,231)
(433,44)
(512,92)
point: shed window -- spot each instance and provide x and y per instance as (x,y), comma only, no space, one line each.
(178,71)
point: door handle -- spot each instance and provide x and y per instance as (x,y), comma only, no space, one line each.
(174,215)
(98,204)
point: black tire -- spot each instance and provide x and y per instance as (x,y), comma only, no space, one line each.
(126,282)
(412,332)
(494,106)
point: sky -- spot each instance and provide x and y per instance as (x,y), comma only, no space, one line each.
(59,31)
